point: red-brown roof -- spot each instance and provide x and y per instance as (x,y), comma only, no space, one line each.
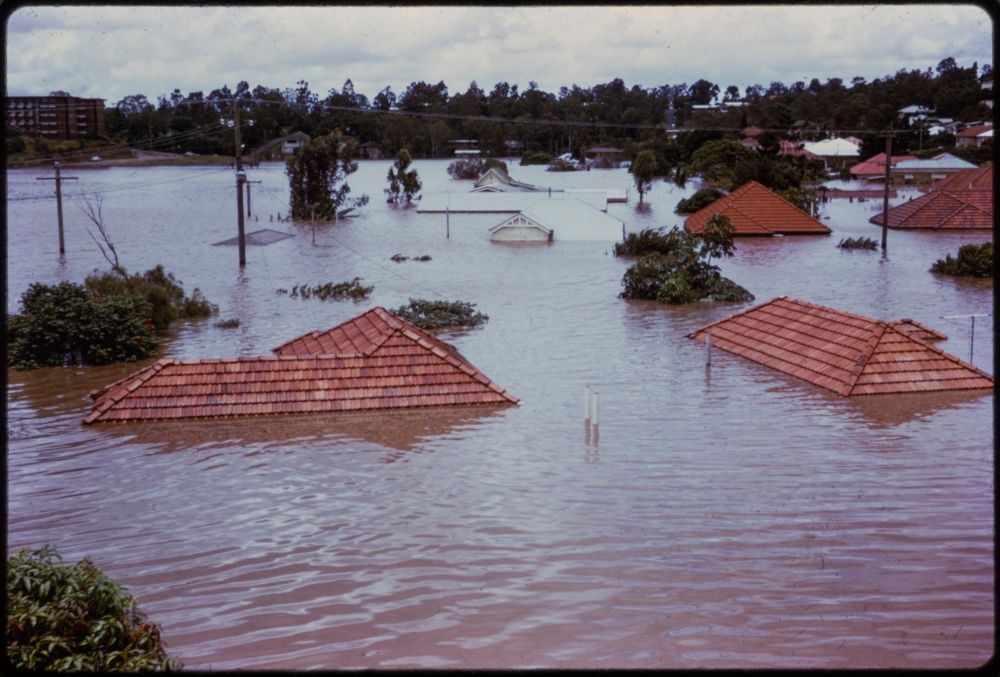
(373,361)
(843,352)
(751,131)
(755,210)
(875,166)
(980,178)
(793,149)
(974,131)
(942,208)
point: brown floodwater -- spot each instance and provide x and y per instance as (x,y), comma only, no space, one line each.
(721,516)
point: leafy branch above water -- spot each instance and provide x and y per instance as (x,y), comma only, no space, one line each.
(341,290)
(435,315)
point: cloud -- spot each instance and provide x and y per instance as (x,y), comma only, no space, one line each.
(114,51)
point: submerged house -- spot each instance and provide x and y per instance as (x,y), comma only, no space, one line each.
(961,201)
(753,210)
(495,179)
(873,169)
(928,171)
(565,219)
(847,353)
(373,361)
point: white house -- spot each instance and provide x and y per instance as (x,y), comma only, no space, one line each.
(836,153)
(293,142)
(558,219)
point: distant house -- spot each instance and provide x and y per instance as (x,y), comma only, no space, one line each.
(846,353)
(873,169)
(561,219)
(293,142)
(466,147)
(974,137)
(753,210)
(495,179)
(795,149)
(963,201)
(372,361)
(924,172)
(908,113)
(603,156)
(751,132)
(835,153)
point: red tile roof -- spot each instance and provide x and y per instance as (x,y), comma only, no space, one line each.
(751,131)
(793,149)
(875,166)
(373,361)
(843,352)
(943,208)
(980,178)
(755,210)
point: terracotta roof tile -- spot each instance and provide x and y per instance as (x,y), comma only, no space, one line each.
(979,178)
(755,210)
(847,353)
(875,166)
(943,208)
(385,363)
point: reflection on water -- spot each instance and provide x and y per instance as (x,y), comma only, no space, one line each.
(721,515)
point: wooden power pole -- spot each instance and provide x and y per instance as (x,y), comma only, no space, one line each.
(59,178)
(885,194)
(240,180)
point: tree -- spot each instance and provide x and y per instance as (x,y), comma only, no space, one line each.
(717,238)
(403,184)
(317,176)
(643,170)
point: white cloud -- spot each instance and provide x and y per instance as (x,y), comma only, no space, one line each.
(114,51)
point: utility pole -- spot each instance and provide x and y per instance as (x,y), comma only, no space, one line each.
(58,178)
(885,194)
(248,196)
(240,180)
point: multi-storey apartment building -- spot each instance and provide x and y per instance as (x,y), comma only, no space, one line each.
(56,116)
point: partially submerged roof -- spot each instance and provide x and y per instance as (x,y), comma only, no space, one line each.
(875,166)
(373,361)
(755,210)
(980,178)
(847,353)
(944,161)
(943,209)
(499,179)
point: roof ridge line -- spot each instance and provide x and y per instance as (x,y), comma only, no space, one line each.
(866,354)
(735,315)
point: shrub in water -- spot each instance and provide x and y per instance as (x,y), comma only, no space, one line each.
(353,289)
(63,618)
(160,289)
(64,324)
(857,243)
(972,261)
(434,315)
(702,198)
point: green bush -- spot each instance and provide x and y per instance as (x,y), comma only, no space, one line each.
(676,267)
(972,261)
(702,198)
(857,243)
(64,324)
(159,289)
(434,315)
(75,618)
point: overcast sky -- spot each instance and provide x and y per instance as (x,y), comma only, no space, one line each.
(111,52)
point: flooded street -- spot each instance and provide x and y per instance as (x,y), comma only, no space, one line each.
(723,516)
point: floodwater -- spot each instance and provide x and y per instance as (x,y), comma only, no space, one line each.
(721,516)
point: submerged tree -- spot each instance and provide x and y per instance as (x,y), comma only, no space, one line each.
(317,176)
(643,169)
(403,184)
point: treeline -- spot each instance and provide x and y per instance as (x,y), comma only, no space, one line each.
(426,117)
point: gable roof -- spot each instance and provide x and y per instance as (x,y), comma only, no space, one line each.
(943,208)
(755,210)
(497,177)
(875,166)
(974,131)
(373,361)
(522,220)
(847,353)
(971,179)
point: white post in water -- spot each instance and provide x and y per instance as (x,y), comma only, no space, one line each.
(708,347)
(586,404)
(595,419)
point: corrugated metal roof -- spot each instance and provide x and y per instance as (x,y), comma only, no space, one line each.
(373,361)
(942,161)
(755,210)
(572,219)
(847,353)
(943,209)
(502,202)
